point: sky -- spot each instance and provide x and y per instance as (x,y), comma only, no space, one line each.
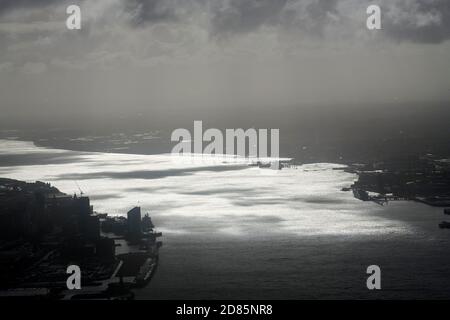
(143,57)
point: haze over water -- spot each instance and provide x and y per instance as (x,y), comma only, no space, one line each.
(234,231)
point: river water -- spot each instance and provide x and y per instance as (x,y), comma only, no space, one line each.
(231,231)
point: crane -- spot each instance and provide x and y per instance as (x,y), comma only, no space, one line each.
(81,191)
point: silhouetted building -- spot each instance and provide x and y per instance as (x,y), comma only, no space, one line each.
(134,224)
(147,224)
(92,227)
(82,206)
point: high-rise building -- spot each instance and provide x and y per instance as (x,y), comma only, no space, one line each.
(134,224)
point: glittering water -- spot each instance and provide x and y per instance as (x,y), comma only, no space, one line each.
(234,231)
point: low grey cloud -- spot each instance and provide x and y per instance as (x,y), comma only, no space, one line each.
(420,21)
(159,54)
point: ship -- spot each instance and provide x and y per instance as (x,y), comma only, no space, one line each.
(360,194)
(275,165)
(146,271)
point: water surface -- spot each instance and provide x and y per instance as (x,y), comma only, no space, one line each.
(233,231)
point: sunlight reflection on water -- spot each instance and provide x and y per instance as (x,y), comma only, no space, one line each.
(208,198)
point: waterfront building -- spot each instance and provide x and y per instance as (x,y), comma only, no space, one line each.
(134,224)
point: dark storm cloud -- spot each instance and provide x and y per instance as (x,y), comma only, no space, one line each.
(311,18)
(425,21)
(319,9)
(157,54)
(150,11)
(6,5)
(245,16)
(402,20)
(419,21)
(318,13)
